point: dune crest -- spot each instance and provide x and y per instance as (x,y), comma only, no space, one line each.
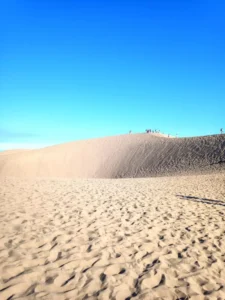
(124,156)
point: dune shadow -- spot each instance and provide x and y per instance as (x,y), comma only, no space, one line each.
(202,200)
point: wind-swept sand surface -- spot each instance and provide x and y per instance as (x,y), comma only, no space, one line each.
(156,238)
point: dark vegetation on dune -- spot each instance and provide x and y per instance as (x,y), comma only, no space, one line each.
(125,156)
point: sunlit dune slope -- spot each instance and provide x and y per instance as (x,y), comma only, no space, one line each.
(133,155)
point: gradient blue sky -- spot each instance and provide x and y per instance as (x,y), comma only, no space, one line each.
(81,69)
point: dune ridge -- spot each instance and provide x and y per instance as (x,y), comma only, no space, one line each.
(124,156)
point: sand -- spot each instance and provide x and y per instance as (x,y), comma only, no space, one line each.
(124,156)
(147,238)
(88,220)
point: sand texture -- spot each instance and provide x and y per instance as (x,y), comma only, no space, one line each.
(134,155)
(156,238)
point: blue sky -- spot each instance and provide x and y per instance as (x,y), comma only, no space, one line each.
(80,69)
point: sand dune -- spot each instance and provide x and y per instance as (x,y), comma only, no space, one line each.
(90,237)
(134,155)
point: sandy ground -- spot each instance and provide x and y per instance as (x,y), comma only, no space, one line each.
(159,238)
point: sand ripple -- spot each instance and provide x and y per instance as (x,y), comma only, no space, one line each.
(159,238)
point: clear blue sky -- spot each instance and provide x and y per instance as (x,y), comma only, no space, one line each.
(81,69)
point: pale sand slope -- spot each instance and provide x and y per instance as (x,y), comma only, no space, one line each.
(134,155)
(113,239)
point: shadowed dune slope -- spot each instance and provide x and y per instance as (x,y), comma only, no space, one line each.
(134,155)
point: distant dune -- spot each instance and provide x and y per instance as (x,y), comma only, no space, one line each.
(133,155)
